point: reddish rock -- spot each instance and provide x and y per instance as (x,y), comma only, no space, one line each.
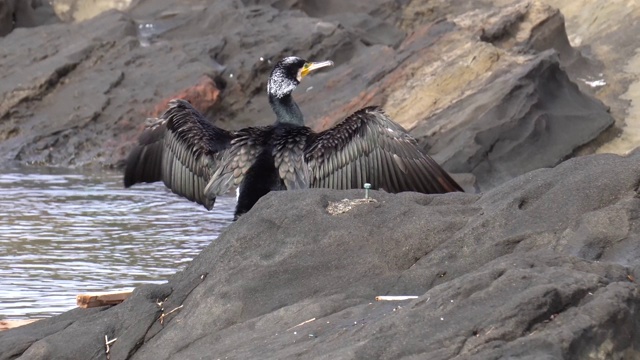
(203,96)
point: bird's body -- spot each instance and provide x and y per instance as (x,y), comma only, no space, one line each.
(200,161)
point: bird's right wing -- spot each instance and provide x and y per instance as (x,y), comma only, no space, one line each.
(144,163)
(190,152)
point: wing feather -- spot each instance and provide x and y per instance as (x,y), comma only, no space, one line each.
(238,159)
(369,147)
(144,163)
(288,154)
(183,151)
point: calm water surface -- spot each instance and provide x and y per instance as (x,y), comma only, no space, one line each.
(65,233)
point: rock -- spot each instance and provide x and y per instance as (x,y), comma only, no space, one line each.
(43,13)
(483,108)
(203,96)
(525,124)
(11,324)
(526,270)
(47,115)
(604,32)
(79,10)
(24,13)
(470,81)
(371,30)
(84,96)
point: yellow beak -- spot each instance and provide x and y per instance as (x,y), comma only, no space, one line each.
(310,66)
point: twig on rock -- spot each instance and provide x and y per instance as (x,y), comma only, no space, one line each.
(108,343)
(302,323)
(161,318)
(395,298)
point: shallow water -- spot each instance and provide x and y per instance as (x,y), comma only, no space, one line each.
(64,233)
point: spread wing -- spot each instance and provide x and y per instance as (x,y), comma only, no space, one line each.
(189,153)
(368,147)
(144,163)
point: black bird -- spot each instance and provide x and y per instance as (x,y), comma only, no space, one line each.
(200,161)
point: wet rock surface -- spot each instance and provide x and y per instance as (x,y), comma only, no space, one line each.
(527,270)
(481,87)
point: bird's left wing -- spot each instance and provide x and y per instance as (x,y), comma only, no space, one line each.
(368,147)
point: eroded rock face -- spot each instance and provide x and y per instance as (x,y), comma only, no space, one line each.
(79,10)
(543,266)
(24,13)
(472,87)
(602,29)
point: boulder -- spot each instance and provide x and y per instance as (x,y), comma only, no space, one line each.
(542,266)
(601,30)
(25,13)
(482,87)
(79,10)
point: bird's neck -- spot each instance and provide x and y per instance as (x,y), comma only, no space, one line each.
(287,111)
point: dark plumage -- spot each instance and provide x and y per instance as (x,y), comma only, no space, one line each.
(200,161)
(183,150)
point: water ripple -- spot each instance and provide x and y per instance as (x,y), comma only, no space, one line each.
(64,233)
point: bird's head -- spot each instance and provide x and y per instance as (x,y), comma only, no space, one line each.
(288,73)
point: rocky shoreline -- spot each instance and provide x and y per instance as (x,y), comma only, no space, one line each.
(481,88)
(527,270)
(542,263)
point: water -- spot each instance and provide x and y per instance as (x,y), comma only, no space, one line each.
(65,233)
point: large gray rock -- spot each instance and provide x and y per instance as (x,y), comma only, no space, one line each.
(79,93)
(24,13)
(541,267)
(523,120)
(79,10)
(481,89)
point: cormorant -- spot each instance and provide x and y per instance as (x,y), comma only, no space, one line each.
(200,161)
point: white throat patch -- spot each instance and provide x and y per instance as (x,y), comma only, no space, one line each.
(279,85)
